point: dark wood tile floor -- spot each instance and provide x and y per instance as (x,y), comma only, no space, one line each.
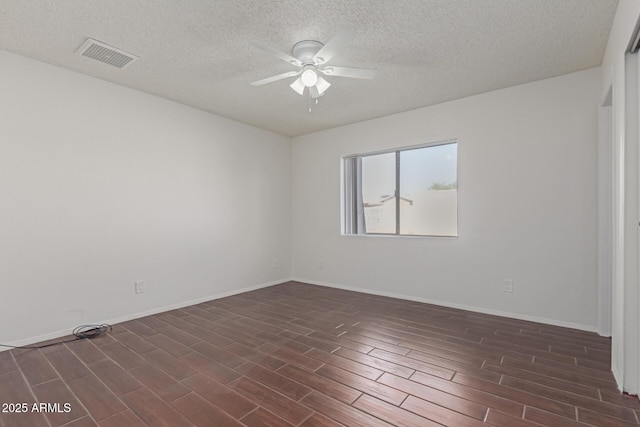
(302,355)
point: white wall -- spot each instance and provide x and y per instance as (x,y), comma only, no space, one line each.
(101,185)
(626,295)
(527,176)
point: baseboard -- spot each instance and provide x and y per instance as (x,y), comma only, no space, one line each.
(553,322)
(116,320)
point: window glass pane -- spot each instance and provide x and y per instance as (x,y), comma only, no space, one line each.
(429,191)
(378,193)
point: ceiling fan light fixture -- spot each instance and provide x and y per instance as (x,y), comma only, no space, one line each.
(298,86)
(309,77)
(322,85)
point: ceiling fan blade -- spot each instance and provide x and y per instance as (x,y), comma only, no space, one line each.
(298,86)
(288,58)
(275,78)
(340,40)
(322,85)
(356,73)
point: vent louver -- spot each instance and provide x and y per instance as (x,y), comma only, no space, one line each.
(108,54)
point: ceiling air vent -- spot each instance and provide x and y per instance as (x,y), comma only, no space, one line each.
(108,54)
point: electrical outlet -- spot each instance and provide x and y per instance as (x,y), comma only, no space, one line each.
(508,285)
(139,287)
(275,264)
(320,264)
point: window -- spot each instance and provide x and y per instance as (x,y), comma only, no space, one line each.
(410,191)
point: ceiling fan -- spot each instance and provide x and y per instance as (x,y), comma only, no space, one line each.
(311,57)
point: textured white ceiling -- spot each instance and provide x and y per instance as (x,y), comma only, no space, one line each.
(198,52)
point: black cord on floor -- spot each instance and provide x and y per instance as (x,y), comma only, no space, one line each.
(80,333)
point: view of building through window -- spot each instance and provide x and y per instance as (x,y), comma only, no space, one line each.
(408,192)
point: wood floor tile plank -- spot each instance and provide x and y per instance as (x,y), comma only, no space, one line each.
(550,419)
(439,414)
(319,420)
(86,351)
(135,343)
(344,343)
(600,366)
(179,335)
(320,383)
(67,364)
(193,325)
(271,400)
(346,364)
(567,378)
(500,419)
(210,368)
(172,366)
(139,328)
(452,365)
(519,396)
(99,341)
(418,365)
(518,352)
(117,379)
(290,357)
(122,355)
(364,385)
(285,342)
(7,364)
(533,376)
(374,343)
(152,322)
(159,382)
(504,405)
(274,381)
(258,325)
(202,413)
(582,340)
(621,399)
(14,389)
(378,336)
(202,314)
(311,342)
(117,330)
(35,367)
(263,418)
(84,422)
(255,356)
(239,336)
(601,420)
(220,395)
(96,397)
(56,392)
(374,362)
(448,351)
(570,398)
(450,401)
(123,419)
(169,345)
(153,410)
(345,414)
(219,354)
(391,413)
(606,377)
(414,336)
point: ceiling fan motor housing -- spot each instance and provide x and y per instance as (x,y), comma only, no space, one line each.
(306,50)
